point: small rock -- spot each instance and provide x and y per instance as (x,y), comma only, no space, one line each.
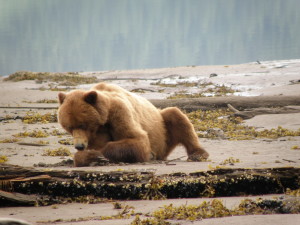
(294,81)
(280,66)
(213,75)
(41,164)
(217,132)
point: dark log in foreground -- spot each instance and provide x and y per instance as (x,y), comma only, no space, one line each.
(146,185)
(16,199)
(240,103)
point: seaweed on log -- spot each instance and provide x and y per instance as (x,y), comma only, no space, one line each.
(138,185)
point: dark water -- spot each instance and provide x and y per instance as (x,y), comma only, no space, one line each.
(89,35)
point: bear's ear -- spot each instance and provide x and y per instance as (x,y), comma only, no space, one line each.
(91,97)
(61,97)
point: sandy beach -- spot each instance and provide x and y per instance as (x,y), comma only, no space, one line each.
(270,78)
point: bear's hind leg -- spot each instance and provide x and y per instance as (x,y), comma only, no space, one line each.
(181,131)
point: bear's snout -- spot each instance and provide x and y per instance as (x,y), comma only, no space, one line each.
(80,146)
(80,139)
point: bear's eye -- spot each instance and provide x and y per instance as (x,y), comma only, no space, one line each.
(67,128)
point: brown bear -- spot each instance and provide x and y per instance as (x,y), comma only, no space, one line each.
(124,127)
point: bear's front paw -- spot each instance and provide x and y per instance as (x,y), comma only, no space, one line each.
(89,158)
(99,161)
(197,157)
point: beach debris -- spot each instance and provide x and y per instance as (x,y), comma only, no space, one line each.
(61,151)
(16,199)
(213,75)
(40,143)
(295,147)
(35,117)
(3,158)
(13,221)
(230,161)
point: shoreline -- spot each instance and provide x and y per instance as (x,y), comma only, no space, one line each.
(272,78)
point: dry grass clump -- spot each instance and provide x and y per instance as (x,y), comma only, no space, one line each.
(210,209)
(230,161)
(69,79)
(39,134)
(68,141)
(184,94)
(34,134)
(3,158)
(61,151)
(35,117)
(9,140)
(221,90)
(178,84)
(216,208)
(48,101)
(295,147)
(295,193)
(57,132)
(149,221)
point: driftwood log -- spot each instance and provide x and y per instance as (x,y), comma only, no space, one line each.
(245,107)
(208,103)
(140,185)
(16,199)
(248,114)
(240,103)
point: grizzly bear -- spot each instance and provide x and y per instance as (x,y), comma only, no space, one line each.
(108,121)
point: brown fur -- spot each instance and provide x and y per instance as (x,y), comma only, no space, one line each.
(123,127)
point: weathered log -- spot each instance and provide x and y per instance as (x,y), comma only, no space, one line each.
(248,114)
(208,103)
(136,184)
(16,199)
(16,173)
(240,103)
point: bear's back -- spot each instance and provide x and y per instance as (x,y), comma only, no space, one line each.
(108,87)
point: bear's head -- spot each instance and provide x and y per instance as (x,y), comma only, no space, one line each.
(82,113)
